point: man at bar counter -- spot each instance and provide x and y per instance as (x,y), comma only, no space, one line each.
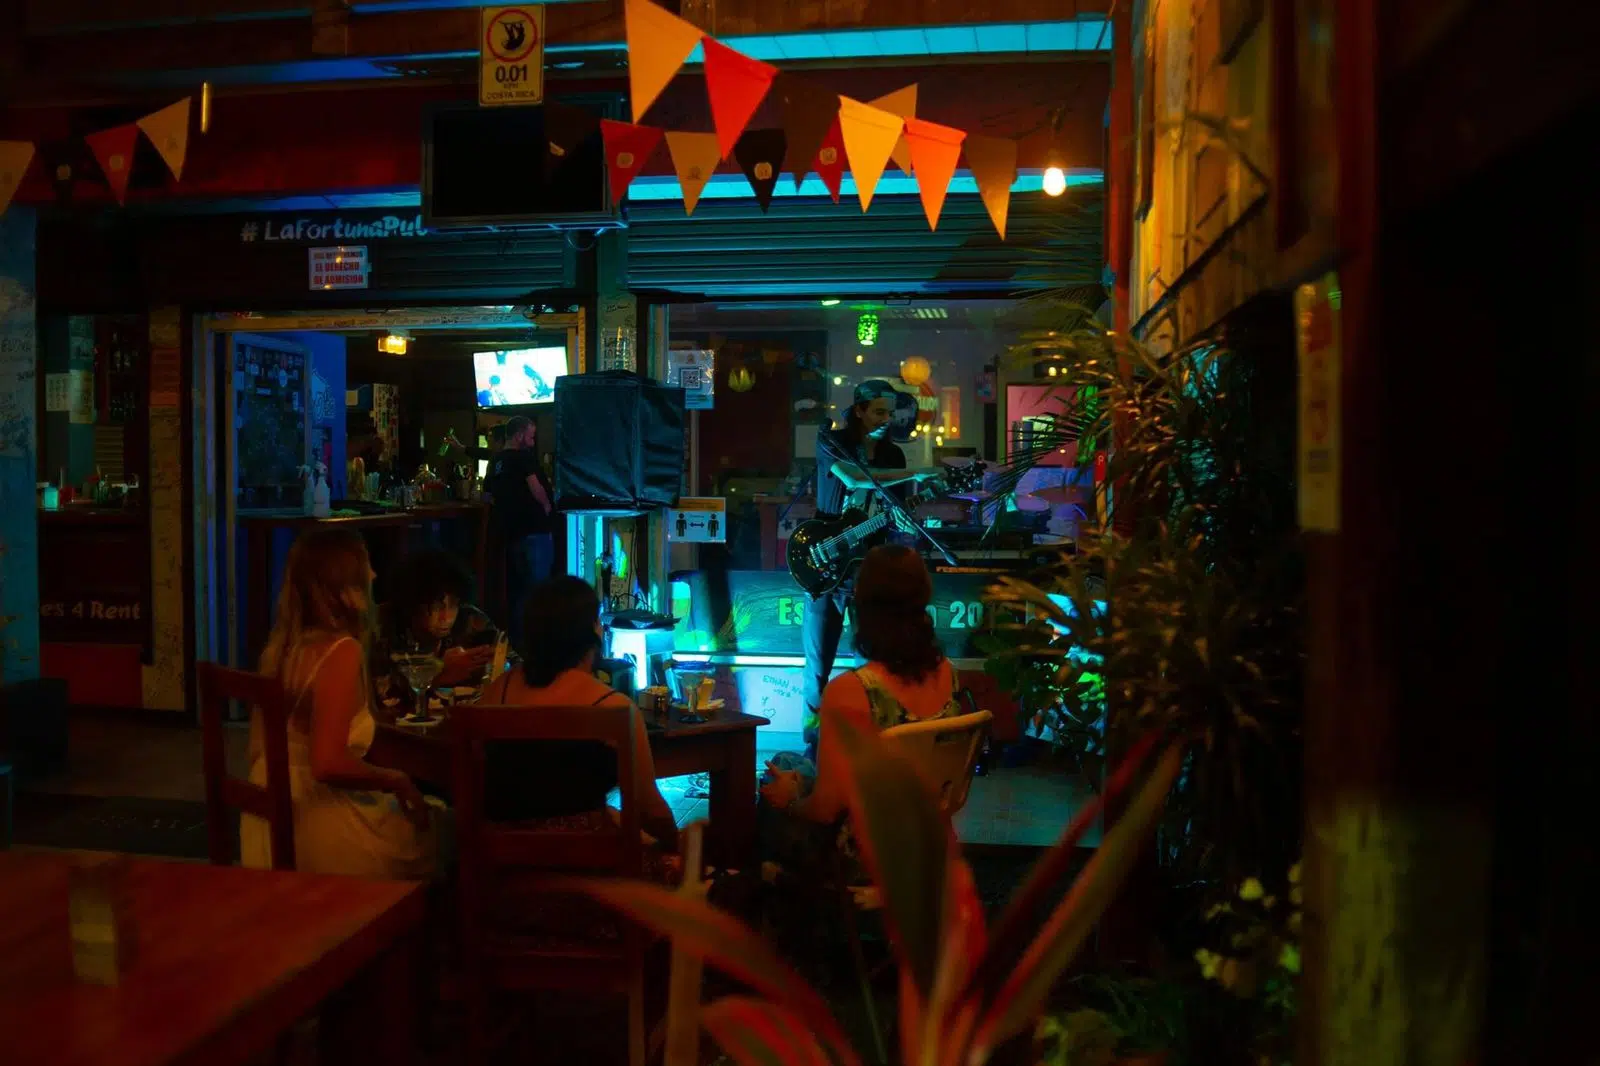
(520,494)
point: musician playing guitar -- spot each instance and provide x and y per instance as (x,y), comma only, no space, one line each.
(842,484)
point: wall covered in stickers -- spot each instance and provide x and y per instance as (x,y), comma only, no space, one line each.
(19,523)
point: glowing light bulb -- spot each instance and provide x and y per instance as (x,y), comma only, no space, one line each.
(861,359)
(1055,181)
(1052,371)
(838,381)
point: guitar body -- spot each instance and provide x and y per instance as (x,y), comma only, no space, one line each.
(815,567)
(824,552)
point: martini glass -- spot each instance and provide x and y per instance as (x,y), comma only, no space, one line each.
(419,665)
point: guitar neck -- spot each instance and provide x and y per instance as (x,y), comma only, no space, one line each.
(867,527)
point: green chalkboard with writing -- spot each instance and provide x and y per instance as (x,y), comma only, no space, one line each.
(271,395)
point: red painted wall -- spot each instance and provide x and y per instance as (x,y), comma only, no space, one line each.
(354,139)
(97,675)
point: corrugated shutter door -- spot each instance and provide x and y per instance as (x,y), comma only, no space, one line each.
(802,248)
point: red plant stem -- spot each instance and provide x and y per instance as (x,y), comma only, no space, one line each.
(1018,925)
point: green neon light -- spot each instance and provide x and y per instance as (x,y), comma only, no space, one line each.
(867,330)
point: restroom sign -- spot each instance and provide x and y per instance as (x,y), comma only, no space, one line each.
(511,55)
(343,266)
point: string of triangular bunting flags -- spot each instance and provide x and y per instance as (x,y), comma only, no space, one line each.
(822,131)
(167,130)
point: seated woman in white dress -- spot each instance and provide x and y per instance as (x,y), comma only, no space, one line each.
(349,817)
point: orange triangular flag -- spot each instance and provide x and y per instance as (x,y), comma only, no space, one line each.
(993,162)
(658,43)
(935,149)
(694,157)
(14,159)
(869,136)
(628,149)
(168,130)
(902,102)
(113,150)
(737,84)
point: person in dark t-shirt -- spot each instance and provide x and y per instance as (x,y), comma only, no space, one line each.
(845,455)
(521,496)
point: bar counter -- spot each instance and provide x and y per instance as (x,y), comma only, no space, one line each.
(388,538)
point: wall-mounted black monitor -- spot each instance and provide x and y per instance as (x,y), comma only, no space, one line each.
(485,166)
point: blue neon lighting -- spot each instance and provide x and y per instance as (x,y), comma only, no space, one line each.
(734,186)
(651,189)
(1028,38)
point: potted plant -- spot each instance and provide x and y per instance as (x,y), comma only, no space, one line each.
(964,989)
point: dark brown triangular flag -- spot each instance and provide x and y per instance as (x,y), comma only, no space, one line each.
(809,110)
(760,155)
(565,129)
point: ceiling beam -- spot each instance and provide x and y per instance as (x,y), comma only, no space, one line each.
(264,32)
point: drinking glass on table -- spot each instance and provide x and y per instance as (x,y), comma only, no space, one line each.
(420,664)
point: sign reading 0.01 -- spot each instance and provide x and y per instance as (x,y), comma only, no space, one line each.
(511,55)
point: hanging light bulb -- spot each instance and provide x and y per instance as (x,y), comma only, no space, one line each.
(1055,181)
(392,343)
(861,359)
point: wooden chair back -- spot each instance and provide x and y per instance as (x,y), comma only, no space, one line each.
(946,750)
(219,686)
(501,867)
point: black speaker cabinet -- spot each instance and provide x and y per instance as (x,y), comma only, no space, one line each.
(619,442)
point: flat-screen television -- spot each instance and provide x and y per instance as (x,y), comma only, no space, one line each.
(517,376)
(486,166)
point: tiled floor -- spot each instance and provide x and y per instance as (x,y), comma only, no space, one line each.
(1019,805)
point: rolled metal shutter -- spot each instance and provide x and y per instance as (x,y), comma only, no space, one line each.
(818,248)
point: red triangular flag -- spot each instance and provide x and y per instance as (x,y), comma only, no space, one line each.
(831,160)
(628,149)
(113,150)
(736,84)
(935,150)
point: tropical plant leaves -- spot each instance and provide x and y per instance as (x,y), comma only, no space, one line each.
(757,1032)
(725,943)
(905,840)
(1058,942)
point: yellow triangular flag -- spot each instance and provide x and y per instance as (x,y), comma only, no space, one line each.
(870,135)
(993,162)
(658,43)
(694,157)
(14,159)
(168,130)
(902,102)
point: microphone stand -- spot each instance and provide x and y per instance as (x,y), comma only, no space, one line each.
(894,506)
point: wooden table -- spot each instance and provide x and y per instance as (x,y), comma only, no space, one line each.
(227,959)
(724,747)
(393,526)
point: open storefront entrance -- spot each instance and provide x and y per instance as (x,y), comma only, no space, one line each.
(378,420)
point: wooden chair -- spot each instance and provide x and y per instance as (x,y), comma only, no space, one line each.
(220,685)
(946,750)
(501,866)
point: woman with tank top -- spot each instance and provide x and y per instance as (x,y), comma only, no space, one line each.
(349,817)
(906,678)
(565,783)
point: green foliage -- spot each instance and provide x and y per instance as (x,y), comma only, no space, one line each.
(1255,955)
(962,992)
(1202,581)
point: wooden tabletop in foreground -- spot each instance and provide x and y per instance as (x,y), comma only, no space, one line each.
(225,959)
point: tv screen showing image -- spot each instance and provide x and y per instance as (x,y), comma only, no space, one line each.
(518,376)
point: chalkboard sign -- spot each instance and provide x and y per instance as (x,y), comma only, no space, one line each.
(271,395)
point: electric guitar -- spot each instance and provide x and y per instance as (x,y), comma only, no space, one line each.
(824,551)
